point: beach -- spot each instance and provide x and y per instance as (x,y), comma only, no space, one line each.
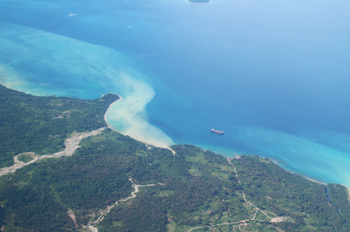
(140,140)
(105,116)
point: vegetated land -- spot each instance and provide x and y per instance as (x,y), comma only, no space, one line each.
(195,188)
(26,157)
(41,124)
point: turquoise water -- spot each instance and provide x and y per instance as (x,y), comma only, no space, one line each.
(273,75)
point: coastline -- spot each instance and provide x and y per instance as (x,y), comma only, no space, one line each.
(147,144)
(110,127)
(105,116)
(316,181)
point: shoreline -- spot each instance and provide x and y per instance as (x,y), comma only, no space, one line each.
(147,144)
(105,115)
(316,181)
(110,127)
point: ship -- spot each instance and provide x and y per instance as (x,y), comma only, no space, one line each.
(217,131)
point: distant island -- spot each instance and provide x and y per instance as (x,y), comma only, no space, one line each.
(199,1)
(62,169)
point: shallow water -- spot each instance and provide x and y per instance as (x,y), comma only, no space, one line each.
(273,75)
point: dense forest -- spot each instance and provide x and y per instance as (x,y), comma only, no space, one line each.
(193,188)
(41,124)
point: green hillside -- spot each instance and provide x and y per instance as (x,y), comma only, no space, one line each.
(41,124)
(191,189)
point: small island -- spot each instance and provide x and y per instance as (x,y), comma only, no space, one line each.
(199,1)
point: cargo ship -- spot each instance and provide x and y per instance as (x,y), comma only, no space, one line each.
(217,131)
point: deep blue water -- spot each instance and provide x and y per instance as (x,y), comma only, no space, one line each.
(274,75)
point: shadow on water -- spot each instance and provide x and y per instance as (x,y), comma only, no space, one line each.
(329,199)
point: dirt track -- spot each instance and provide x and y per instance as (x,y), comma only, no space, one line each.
(70,143)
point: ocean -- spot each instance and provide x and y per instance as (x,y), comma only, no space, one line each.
(273,75)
